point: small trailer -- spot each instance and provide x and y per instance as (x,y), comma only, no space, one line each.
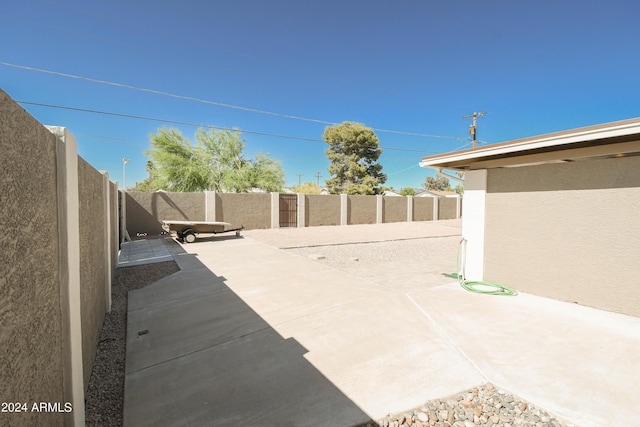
(187,230)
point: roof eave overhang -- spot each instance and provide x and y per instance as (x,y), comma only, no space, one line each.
(615,139)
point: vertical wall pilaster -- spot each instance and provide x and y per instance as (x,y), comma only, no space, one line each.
(210,206)
(275,210)
(344,209)
(69,257)
(436,208)
(107,241)
(475,191)
(379,208)
(301,210)
(409,208)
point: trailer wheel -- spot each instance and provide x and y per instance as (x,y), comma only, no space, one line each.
(190,237)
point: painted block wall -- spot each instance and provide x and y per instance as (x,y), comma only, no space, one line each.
(145,211)
(394,209)
(361,210)
(423,208)
(250,210)
(31,365)
(322,210)
(92,260)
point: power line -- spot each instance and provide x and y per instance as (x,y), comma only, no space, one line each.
(135,117)
(219,48)
(204,101)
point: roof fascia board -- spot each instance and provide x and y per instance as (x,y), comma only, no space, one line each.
(553,140)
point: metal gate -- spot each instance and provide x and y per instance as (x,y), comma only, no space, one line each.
(288,210)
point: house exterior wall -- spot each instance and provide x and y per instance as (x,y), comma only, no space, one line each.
(361,210)
(394,209)
(145,211)
(251,210)
(423,208)
(322,210)
(567,231)
(31,361)
(92,211)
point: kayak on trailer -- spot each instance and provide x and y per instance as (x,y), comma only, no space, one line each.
(187,230)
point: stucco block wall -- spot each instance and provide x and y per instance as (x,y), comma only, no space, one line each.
(322,210)
(423,208)
(251,210)
(92,260)
(447,207)
(145,211)
(394,209)
(115,225)
(567,231)
(361,210)
(30,313)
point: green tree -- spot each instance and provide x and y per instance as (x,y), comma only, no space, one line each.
(438,184)
(353,152)
(307,188)
(407,191)
(147,184)
(216,162)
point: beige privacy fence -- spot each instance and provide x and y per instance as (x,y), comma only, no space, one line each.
(60,219)
(145,211)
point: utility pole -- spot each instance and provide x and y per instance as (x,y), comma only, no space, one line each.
(318,178)
(299,176)
(472,128)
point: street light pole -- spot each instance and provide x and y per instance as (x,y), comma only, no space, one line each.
(124,173)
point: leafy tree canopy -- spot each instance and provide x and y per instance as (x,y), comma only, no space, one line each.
(216,162)
(438,184)
(307,188)
(407,191)
(353,152)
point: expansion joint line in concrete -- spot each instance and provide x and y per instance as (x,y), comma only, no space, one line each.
(232,340)
(446,336)
(368,241)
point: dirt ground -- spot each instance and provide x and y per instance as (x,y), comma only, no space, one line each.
(402,256)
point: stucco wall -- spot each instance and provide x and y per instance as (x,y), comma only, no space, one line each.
(145,211)
(30,314)
(361,210)
(423,208)
(394,209)
(447,207)
(92,260)
(322,210)
(250,210)
(567,231)
(113,188)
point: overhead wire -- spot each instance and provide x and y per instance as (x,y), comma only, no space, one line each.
(183,123)
(216,103)
(229,51)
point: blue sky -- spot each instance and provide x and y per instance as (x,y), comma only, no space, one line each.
(415,67)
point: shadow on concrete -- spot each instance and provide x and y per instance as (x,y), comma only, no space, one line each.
(198,355)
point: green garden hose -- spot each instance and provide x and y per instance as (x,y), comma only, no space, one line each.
(487,288)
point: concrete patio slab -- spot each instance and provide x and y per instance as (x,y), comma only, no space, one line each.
(577,362)
(249,333)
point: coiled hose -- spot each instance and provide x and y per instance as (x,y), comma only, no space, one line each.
(487,288)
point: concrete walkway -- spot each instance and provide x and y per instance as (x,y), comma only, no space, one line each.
(248,334)
(138,252)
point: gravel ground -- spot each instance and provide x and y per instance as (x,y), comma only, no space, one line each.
(401,264)
(484,406)
(105,393)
